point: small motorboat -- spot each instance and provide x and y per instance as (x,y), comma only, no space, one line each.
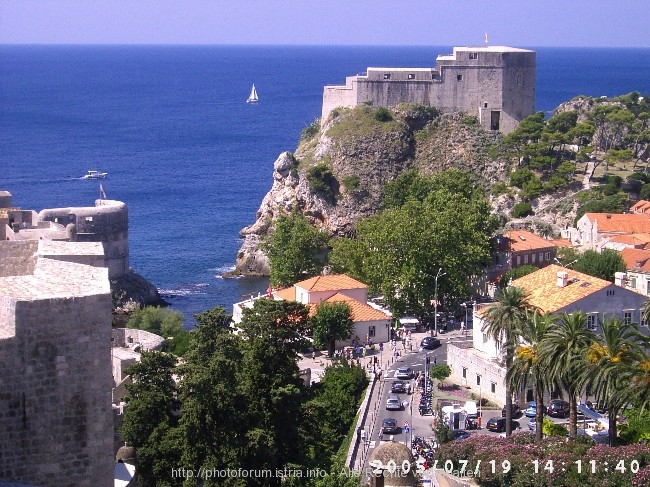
(95,175)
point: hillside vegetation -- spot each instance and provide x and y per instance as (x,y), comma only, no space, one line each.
(592,154)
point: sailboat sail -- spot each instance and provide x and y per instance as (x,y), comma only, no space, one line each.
(253,96)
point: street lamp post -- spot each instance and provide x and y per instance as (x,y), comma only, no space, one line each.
(435,311)
(467,305)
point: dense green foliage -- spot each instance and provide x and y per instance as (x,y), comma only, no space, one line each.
(440,372)
(522,209)
(399,251)
(331,322)
(322,181)
(603,265)
(240,403)
(164,322)
(516,273)
(296,250)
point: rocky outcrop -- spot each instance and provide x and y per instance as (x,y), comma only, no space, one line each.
(133,288)
(362,158)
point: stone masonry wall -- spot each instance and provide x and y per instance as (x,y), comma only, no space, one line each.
(55,393)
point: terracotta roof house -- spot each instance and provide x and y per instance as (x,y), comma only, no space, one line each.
(641,206)
(516,248)
(368,320)
(637,265)
(554,289)
(594,230)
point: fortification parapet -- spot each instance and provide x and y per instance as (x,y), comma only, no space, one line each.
(107,222)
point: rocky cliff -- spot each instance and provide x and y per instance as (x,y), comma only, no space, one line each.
(363,151)
(336,175)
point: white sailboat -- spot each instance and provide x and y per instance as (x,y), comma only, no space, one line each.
(252,98)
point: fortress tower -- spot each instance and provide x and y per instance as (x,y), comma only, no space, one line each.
(494,83)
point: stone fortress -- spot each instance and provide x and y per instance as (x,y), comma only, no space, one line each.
(494,83)
(56,372)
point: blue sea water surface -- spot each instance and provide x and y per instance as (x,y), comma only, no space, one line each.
(185,152)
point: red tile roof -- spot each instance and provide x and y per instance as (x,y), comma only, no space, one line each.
(621,222)
(331,282)
(548,296)
(520,240)
(636,259)
(359,310)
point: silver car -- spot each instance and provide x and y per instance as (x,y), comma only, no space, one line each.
(393,403)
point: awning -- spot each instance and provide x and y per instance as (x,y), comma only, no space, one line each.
(590,413)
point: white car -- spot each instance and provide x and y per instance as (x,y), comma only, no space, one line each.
(404,373)
(393,403)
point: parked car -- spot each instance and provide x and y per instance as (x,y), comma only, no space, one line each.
(531,410)
(405,373)
(515,411)
(430,343)
(558,408)
(499,424)
(393,403)
(398,386)
(389,426)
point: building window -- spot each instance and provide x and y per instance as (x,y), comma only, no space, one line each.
(493,387)
(519,260)
(541,256)
(371,331)
(627,316)
(485,105)
(592,321)
(478,380)
(548,256)
(386,75)
(411,76)
(473,55)
(631,282)
(485,337)
(532,259)
(459,77)
(526,259)
(610,292)
(647,287)
(464,372)
(529,395)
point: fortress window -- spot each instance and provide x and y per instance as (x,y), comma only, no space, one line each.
(459,77)
(473,55)
(411,76)
(386,75)
(485,105)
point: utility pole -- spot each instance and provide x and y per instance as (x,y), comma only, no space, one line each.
(435,312)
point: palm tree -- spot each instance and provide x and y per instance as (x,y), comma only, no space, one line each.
(502,322)
(564,349)
(528,365)
(611,368)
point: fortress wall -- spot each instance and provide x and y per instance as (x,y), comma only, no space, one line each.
(126,337)
(107,222)
(339,96)
(17,257)
(55,393)
(7,321)
(494,83)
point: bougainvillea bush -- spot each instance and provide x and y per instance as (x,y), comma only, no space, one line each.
(520,462)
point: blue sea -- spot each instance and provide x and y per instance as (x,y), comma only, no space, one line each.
(185,152)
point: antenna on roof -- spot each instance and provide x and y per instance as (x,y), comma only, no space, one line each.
(486,39)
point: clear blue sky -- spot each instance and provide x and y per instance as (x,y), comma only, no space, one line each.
(597,23)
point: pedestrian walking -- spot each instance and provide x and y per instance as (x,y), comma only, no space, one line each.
(407,427)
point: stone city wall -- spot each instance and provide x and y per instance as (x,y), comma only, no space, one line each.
(18,257)
(55,399)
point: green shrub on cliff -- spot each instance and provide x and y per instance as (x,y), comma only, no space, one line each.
(321,180)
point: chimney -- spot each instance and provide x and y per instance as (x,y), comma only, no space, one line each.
(619,279)
(562,278)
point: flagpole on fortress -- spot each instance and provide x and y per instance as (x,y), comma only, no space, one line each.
(102,194)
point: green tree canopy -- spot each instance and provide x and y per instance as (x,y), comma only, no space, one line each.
(296,250)
(603,265)
(398,252)
(331,322)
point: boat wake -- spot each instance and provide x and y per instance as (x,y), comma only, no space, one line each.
(184,290)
